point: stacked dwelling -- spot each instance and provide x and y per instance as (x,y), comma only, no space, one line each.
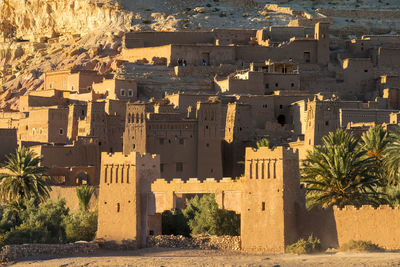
(151,143)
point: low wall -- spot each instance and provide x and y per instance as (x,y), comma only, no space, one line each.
(335,226)
(225,69)
(71,199)
(202,242)
(15,252)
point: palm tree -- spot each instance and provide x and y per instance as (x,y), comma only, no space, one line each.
(375,142)
(392,156)
(22,177)
(339,173)
(84,193)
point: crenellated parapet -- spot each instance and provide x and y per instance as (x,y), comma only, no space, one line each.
(167,194)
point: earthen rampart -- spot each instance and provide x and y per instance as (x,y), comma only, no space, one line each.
(227,192)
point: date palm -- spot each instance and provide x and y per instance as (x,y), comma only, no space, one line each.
(338,172)
(375,141)
(84,194)
(22,178)
(392,156)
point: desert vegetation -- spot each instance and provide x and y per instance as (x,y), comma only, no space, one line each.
(345,170)
(201,216)
(27,215)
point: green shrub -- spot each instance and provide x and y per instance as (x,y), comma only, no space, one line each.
(81,226)
(303,246)
(32,223)
(174,223)
(204,217)
(360,245)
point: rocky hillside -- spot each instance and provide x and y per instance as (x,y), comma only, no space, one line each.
(43,35)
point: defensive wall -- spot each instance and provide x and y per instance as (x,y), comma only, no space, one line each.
(173,194)
(270,197)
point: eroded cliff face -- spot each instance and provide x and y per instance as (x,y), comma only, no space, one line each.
(31,19)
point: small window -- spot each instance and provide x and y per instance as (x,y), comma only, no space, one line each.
(276,84)
(130,93)
(161,167)
(26,127)
(118,207)
(292,84)
(72,87)
(326,123)
(207,145)
(122,92)
(267,86)
(323,36)
(179,166)
(41,131)
(280,106)
(89,88)
(263,206)
(61,131)
(51,85)
(161,140)
(365,70)
(33,131)
(181,141)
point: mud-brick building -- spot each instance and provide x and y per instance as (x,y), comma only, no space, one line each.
(189,146)
(270,199)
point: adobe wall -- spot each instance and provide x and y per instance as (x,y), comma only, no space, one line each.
(294,50)
(8,142)
(44,125)
(165,194)
(194,54)
(388,57)
(335,226)
(116,89)
(83,155)
(124,187)
(269,174)
(150,39)
(146,55)
(69,194)
(364,115)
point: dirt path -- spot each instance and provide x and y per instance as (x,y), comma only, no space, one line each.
(190,258)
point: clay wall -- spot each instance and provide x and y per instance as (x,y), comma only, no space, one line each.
(364,115)
(71,200)
(8,142)
(46,125)
(150,39)
(270,185)
(388,57)
(253,84)
(335,226)
(43,99)
(194,54)
(124,188)
(146,55)
(280,33)
(116,89)
(358,76)
(275,81)
(209,157)
(294,50)
(10,120)
(171,195)
(77,155)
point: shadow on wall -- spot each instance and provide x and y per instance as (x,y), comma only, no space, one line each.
(319,222)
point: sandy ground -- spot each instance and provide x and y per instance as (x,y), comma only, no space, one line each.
(190,258)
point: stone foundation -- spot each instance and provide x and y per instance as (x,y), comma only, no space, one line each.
(15,252)
(201,242)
